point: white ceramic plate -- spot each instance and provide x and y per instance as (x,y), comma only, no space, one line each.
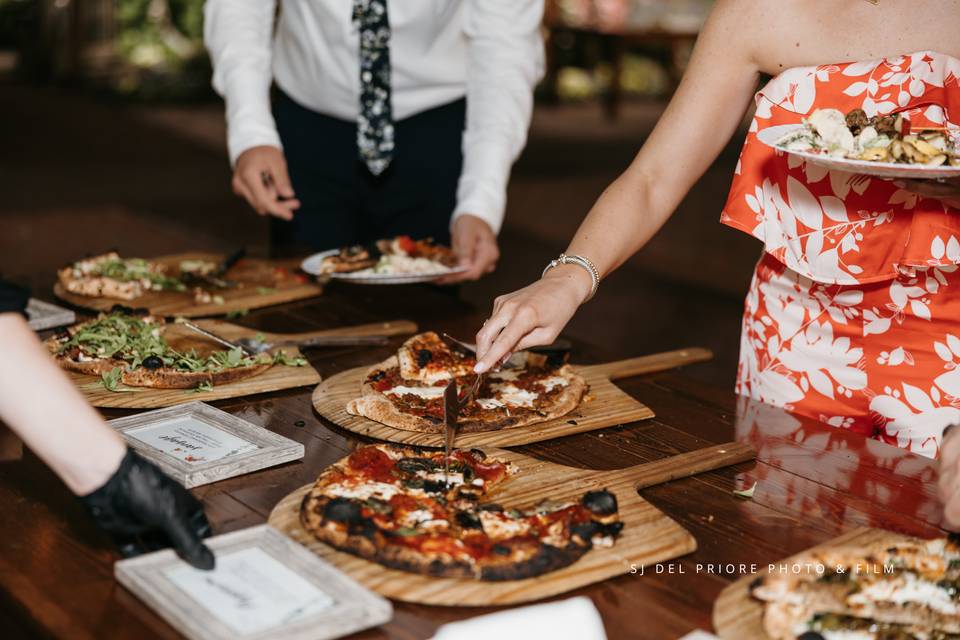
(313,263)
(890,170)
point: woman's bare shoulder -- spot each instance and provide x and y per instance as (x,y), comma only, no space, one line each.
(779,34)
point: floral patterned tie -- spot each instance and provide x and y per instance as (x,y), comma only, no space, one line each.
(375,120)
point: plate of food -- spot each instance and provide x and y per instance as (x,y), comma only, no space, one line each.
(399,260)
(882,146)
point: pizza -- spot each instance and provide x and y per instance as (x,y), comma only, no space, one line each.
(390,504)
(110,276)
(895,590)
(399,255)
(405,391)
(124,348)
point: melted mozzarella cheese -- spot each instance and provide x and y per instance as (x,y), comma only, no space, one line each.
(500,527)
(505,374)
(489,403)
(364,491)
(906,590)
(427,393)
(553,381)
(515,396)
(452,478)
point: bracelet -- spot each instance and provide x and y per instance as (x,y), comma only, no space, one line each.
(582,262)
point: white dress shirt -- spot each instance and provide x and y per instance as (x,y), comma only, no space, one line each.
(490,51)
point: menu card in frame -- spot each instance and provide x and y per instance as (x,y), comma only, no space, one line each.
(265,586)
(198,444)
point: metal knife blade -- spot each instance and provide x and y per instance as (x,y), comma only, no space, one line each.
(228,262)
(451,409)
(215,337)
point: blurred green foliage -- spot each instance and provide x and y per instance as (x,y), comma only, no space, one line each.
(162,43)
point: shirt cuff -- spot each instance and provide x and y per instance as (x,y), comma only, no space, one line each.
(240,141)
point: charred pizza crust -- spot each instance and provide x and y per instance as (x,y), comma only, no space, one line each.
(346,524)
(414,413)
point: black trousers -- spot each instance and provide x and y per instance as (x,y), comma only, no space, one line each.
(342,203)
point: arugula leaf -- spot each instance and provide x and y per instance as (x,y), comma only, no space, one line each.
(111,379)
(280,357)
(203,386)
(746,493)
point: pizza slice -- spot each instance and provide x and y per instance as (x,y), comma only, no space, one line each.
(398,255)
(406,391)
(912,584)
(394,505)
(128,349)
(110,276)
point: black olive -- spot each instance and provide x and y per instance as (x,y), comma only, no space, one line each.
(501,550)
(424,356)
(434,486)
(413,465)
(478,454)
(379,375)
(586,530)
(810,635)
(342,510)
(490,506)
(467,520)
(152,362)
(613,529)
(602,503)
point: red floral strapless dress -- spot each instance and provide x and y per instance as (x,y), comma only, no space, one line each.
(853,315)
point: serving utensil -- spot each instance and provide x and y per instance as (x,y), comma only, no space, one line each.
(215,277)
(451,409)
(218,339)
(255,346)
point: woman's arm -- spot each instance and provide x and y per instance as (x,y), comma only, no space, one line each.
(50,415)
(699,121)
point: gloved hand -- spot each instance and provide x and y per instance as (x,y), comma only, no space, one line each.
(143,510)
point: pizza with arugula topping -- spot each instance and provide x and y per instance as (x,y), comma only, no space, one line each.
(406,390)
(128,349)
(391,504)
(896,590)
(110,276)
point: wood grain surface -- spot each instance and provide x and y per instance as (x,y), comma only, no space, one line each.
(648,535)
(179,337)
(261,283)
(737,616)
(604,405)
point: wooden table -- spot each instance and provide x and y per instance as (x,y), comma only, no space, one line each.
(814,482)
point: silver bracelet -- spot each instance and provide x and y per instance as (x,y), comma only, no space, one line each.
(582,262)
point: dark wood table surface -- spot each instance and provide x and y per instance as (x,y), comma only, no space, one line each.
(813,483)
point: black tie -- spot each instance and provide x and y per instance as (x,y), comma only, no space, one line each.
(375,121)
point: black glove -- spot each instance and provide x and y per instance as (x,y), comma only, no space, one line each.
(143,510)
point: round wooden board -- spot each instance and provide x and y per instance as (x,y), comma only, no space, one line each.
(605,405)
(737,616)
(648,536)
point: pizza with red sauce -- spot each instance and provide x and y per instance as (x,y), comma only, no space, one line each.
(406,390)
(391,505)
(390,255)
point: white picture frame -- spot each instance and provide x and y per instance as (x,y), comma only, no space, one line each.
(225,445)
(331,604)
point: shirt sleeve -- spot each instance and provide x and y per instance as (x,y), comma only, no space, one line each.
(13,299)
(505,62)
(238,35)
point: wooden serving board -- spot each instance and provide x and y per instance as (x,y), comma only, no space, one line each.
(261,283)
(605,405)
(181,338)
(737,616)
(648,535)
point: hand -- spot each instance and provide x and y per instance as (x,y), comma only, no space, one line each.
(948,484)
(476,247)
(261,178)
(948,191)
(142,509)
(532,316)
